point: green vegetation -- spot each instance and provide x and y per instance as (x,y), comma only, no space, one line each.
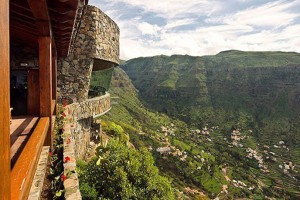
(230,125)
(259,83)
(119,172)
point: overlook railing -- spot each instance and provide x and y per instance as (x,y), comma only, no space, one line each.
(91,107)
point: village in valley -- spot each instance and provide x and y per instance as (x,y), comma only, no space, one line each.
(262,155)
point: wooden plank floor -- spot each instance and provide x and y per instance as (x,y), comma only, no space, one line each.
(20,130)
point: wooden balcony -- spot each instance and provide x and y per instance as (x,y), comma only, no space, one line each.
(34,24)
(27,137)
(20,130)
(32,135)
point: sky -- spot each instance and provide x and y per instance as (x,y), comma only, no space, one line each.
(203,27)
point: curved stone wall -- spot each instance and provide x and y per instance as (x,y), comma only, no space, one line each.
(90,108)
(98,36)
(80,117)
(96,47)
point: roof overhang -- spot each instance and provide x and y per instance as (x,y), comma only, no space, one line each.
(57,19)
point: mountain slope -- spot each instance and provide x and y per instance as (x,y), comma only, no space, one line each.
(235,155)
(252,81)
(201,90)
(236,91)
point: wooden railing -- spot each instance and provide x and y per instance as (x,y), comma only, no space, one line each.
(25,167)
(53,107)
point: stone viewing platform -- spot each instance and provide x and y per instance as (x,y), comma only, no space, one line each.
(91,107)
(98,36)
(96,48)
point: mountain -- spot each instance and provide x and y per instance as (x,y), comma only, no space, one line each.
(224,126)
(242,108)
(234,156)
(199,90)
(256,82)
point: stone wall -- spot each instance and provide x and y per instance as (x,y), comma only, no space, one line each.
(96,47)
(97,40)
(81,118)
(71,184)
(78,119)
(98,36)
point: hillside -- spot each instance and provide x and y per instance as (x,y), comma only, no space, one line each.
(232,155)
(214,89)
(257,82)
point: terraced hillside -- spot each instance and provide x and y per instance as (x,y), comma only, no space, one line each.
(230,152)
(258,82)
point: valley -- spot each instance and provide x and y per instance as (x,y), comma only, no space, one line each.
(215,131)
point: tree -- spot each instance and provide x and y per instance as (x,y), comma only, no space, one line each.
(119,172)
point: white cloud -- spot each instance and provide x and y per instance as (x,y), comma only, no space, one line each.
(180,22)
(148,29)
(271,14)
(175,8)
(268,27)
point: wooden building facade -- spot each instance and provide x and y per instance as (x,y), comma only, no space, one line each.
(48,28)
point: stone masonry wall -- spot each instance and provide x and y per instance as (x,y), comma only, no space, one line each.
(97,38)
(81,115)
(78,118)
(96,44)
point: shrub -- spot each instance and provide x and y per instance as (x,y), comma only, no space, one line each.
(119,172)
(88,192)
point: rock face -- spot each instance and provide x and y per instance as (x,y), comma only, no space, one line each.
(256,81)
(96,47)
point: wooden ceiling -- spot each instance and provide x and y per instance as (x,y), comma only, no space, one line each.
(59,19)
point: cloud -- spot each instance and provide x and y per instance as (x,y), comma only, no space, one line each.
(271,14)
(202,27)
(176,23)
(148,29)
(174,8)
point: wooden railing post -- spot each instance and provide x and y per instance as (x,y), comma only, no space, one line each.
(54,78)
(4,102)
(45,75)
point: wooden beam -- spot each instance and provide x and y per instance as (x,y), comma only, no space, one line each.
(53,107)
(23,27)
(4,102)
(23,21)
(25,167)
(39,9)
(45,79)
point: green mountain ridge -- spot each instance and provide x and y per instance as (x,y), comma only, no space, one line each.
(257,91)
(210,89)
(144,124)
(244,80)
(230,130)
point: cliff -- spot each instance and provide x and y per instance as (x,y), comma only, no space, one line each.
(258,82)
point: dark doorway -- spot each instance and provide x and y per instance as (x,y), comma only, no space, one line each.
(18,92)
(24,90)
